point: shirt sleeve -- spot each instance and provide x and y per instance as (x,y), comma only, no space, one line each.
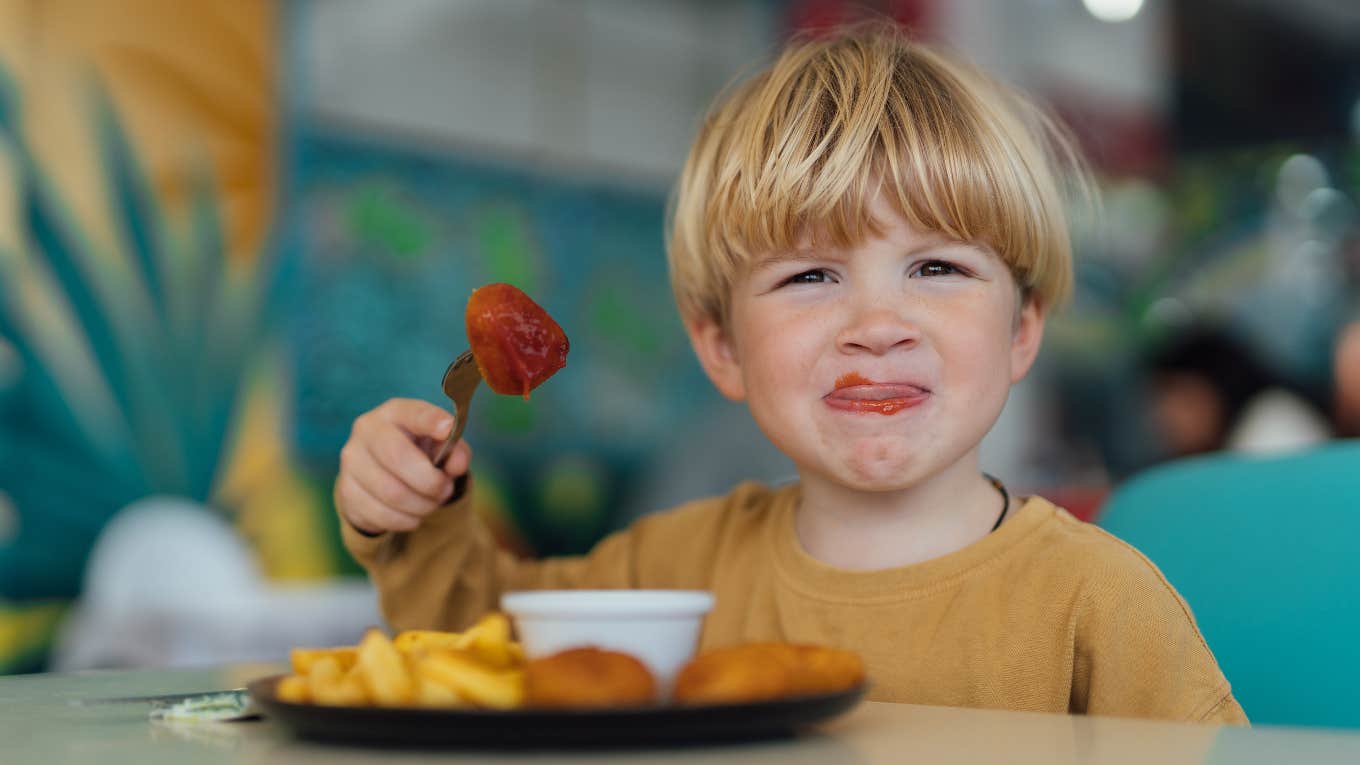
(448,572)
(1139,653)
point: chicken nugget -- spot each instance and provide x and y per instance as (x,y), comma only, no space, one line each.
(763,671)
(750,672)
(588,677)
(822,669)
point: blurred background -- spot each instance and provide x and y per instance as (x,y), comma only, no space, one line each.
(228,228)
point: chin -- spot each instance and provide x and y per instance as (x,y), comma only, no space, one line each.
(881,460)
(877,463)
(879,476)
(895,481)
(884,486)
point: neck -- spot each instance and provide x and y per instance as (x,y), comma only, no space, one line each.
(865,530)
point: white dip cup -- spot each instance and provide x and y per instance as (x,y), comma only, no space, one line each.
(659,627)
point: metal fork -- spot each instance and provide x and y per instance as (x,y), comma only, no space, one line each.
(460,382)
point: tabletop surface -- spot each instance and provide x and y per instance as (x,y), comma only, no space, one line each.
(39,722)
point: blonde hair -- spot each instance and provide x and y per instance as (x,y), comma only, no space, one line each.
(802,147)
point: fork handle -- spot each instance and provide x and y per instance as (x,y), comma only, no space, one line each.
(446,448)
(459,421)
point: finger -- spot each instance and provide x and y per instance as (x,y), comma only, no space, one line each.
(418,418)
(352,509)
(456,462)
(459,460)
(360,464)
(366,512)
(398,455)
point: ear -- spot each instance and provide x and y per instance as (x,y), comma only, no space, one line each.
(1025,340)
(717,355)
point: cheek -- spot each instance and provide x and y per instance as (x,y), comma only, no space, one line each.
(780,353)
(981,357)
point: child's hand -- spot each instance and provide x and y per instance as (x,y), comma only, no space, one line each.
(387,480)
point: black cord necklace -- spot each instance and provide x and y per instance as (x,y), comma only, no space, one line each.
(1005,500)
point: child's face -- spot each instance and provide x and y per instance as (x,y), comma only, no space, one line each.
(876,367)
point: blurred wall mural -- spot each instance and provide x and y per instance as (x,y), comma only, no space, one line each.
(136,347)
(160,335)
(394,239)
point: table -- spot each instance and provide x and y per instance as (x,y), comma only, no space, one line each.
(39,724)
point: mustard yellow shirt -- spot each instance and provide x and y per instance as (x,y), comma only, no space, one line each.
(1046,614)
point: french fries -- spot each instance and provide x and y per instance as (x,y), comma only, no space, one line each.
(481,667)
(489,641)
(328,684)
(419,641)
(303,659)
(480,684)
(383,671)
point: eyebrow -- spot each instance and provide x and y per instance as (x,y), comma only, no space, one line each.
(805,254)
(787,256)
(953,246)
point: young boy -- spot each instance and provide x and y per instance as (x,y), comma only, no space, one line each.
(865,241)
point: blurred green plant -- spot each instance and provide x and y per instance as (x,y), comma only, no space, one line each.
(131,359)
(377,216)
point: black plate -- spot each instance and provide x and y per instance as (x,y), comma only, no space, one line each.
(666,724)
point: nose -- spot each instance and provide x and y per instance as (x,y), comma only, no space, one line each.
(877,329)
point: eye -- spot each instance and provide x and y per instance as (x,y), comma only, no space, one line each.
(813,276)
(937,268)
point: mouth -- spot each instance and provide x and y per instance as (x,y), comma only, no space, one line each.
(855,393)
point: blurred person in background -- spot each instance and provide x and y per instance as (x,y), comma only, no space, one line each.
(1346,381)
(1211,392)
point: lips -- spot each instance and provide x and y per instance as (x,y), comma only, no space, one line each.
(855,393)
(877,391)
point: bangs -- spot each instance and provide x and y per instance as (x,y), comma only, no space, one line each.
(797,156)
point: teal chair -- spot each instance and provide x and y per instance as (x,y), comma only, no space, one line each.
(1267,553)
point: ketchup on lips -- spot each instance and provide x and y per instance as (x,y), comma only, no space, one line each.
(856,393)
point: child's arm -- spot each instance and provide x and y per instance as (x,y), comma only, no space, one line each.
(410,525)
(436,565)
(450,571)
